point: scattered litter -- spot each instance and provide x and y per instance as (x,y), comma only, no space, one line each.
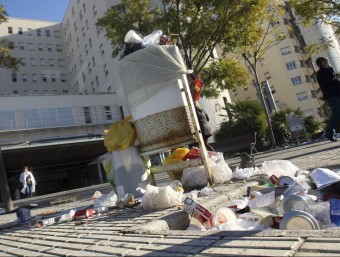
(105,200)
(324,177)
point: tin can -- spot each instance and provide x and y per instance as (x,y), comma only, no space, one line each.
(289,201)
(23,215)
(285,181)
(274,180)
(335,211)
(299,220)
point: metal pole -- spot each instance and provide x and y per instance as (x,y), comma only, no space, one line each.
(99,171)
(204,153)
(5,192)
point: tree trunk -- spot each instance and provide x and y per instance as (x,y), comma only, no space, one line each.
(258,85)
(5,192)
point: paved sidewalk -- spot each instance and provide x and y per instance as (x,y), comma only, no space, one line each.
(121,233)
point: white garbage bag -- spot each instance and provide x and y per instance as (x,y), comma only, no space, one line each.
(105,200)
(194,177)
(156,198)
(221,172)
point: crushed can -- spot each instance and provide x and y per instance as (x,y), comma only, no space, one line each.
(197,211)
(23,215)
(84,214)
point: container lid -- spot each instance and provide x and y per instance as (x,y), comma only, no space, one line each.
(224,215)
(285,180)
(299,220)
(288,202)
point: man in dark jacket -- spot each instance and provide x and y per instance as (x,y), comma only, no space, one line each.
(330,86)
(203,120)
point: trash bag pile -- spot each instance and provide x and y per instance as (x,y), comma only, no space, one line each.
(287,199)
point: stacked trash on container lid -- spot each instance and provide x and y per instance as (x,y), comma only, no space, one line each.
(287,199)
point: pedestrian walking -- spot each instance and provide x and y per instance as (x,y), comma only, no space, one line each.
(28,182)
(329,83)
(203,120)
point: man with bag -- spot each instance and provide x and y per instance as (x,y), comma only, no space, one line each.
(329,83)
(28,182)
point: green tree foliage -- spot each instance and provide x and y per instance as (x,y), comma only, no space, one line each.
(225,74)
(244,117)
(6,60)
(200,26)
(309,11)
(281,129)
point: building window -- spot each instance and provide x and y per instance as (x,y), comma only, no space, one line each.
(53,78)
(23,61)
(101,49)
(90,42)
(44,77)
(34,78)
(21,46)
(83,76)
(94,11)
(87,24)
(38,32)
(83,31)
(9,30)
(51,62)
(108,114)
(49,47)
(87,115)
(302,96)
(61,62)
(40,47)
(33,63)
(59,48)
(291,65)
(80,15)
(20,31)
(285,50)
(24,78)
(42,62)
(15,92)
(57,33)
(89,67)
(47,33)
(97,81)
(84,7)
(14,77)
(80,59)
(63,78)
(65,92)
(31,46)
(86,50)
(93,62)
(106,72)
(296,80)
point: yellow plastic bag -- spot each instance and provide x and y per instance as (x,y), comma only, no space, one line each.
(176,157)
(120,135)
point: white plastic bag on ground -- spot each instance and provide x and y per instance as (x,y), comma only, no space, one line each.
(279,168)
(156,198)
(243,173)
(105,200)
(194,177)
(221,172)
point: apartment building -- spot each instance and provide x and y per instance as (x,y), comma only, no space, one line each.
(288,70)
(43,66)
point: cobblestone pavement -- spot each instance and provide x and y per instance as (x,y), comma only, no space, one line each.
(114,233)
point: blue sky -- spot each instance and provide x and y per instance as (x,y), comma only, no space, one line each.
(46,10)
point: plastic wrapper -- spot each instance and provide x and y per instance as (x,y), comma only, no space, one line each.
(262,200)
(152,39)
(156,198)
(279,168)
(194,177)
(105,200)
